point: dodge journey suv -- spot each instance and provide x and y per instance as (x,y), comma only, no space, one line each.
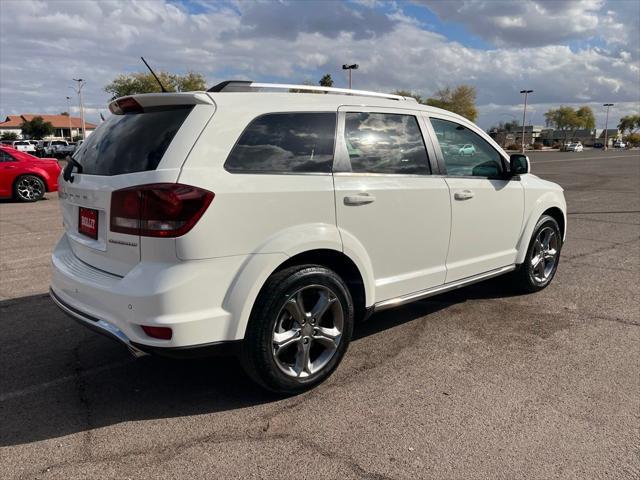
(266,220)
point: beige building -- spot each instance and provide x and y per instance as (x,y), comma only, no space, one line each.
(65,127)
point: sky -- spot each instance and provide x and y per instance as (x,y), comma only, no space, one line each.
(570,52)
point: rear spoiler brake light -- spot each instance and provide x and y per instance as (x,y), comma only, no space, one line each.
(125,105)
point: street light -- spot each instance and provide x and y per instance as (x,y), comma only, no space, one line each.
(524,114)
(350,67)
(80,85)
(69,118)
(606,125)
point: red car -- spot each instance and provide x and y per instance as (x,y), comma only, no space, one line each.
(25,177)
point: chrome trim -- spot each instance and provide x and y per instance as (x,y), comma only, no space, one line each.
(447,287)
(96,324)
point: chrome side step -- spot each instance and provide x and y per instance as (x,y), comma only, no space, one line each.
(447,287)
(97,325)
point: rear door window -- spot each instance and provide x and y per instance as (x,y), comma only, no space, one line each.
(133,142)
(385,143)
(285,143)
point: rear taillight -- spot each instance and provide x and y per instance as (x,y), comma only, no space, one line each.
(158,210)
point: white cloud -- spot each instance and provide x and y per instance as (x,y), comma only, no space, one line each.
(527,23)
(42,48)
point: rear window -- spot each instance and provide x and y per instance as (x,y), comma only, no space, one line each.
(285,143)
(134,142)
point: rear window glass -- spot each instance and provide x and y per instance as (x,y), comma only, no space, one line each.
(286,143)
(130,143)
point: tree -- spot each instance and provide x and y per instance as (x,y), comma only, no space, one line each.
(633,139)
(510,126)
(568,119)
(586,118)
(460,100)
(9,136)
(36,128)
(629,123)
(326,81)
(136,83)
(66,114)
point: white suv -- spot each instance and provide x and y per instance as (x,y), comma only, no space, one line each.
(24,146)
(270,222)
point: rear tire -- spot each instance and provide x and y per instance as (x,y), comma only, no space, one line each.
(28,188)
(542,259)
(299,329)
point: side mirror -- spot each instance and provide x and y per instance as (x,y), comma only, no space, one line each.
(519,164)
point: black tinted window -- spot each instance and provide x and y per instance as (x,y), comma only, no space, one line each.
(131,142)
(285,142)
(5,157)
(465,152)
(385,143)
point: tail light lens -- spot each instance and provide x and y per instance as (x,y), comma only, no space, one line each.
(158,210)
(125,105)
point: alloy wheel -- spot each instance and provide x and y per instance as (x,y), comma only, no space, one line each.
(29,188)
(544,255)
(307,331)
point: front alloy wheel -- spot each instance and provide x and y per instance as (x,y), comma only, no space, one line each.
(544,254)
(542,258)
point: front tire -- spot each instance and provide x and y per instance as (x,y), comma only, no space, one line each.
(543,255)
(299,329)
(28,188)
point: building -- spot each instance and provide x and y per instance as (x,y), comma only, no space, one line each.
(587,137)
(64,126)
(612,136)
(506,138)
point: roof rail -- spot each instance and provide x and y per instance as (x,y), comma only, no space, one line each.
(248,86)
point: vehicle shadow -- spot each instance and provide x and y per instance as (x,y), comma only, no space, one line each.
(58,378)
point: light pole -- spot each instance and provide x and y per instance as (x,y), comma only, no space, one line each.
(69,118)
(524,114)
(606,125)
(80,85)
(350,67)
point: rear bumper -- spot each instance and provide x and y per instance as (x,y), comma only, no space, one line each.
(184,296)
(140,350)
(96,325)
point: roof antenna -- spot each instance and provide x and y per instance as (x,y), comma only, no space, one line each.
(164,90)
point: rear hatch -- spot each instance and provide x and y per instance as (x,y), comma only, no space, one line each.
(145,141)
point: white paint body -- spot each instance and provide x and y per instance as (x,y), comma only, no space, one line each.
(416,235)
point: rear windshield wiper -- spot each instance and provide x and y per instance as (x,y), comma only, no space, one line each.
(67,173)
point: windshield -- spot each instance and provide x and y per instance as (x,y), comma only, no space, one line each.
(134,142)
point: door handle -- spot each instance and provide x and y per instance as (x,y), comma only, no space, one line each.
(359,199)
(463,195)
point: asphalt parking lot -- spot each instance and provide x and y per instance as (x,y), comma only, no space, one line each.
(474,384)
